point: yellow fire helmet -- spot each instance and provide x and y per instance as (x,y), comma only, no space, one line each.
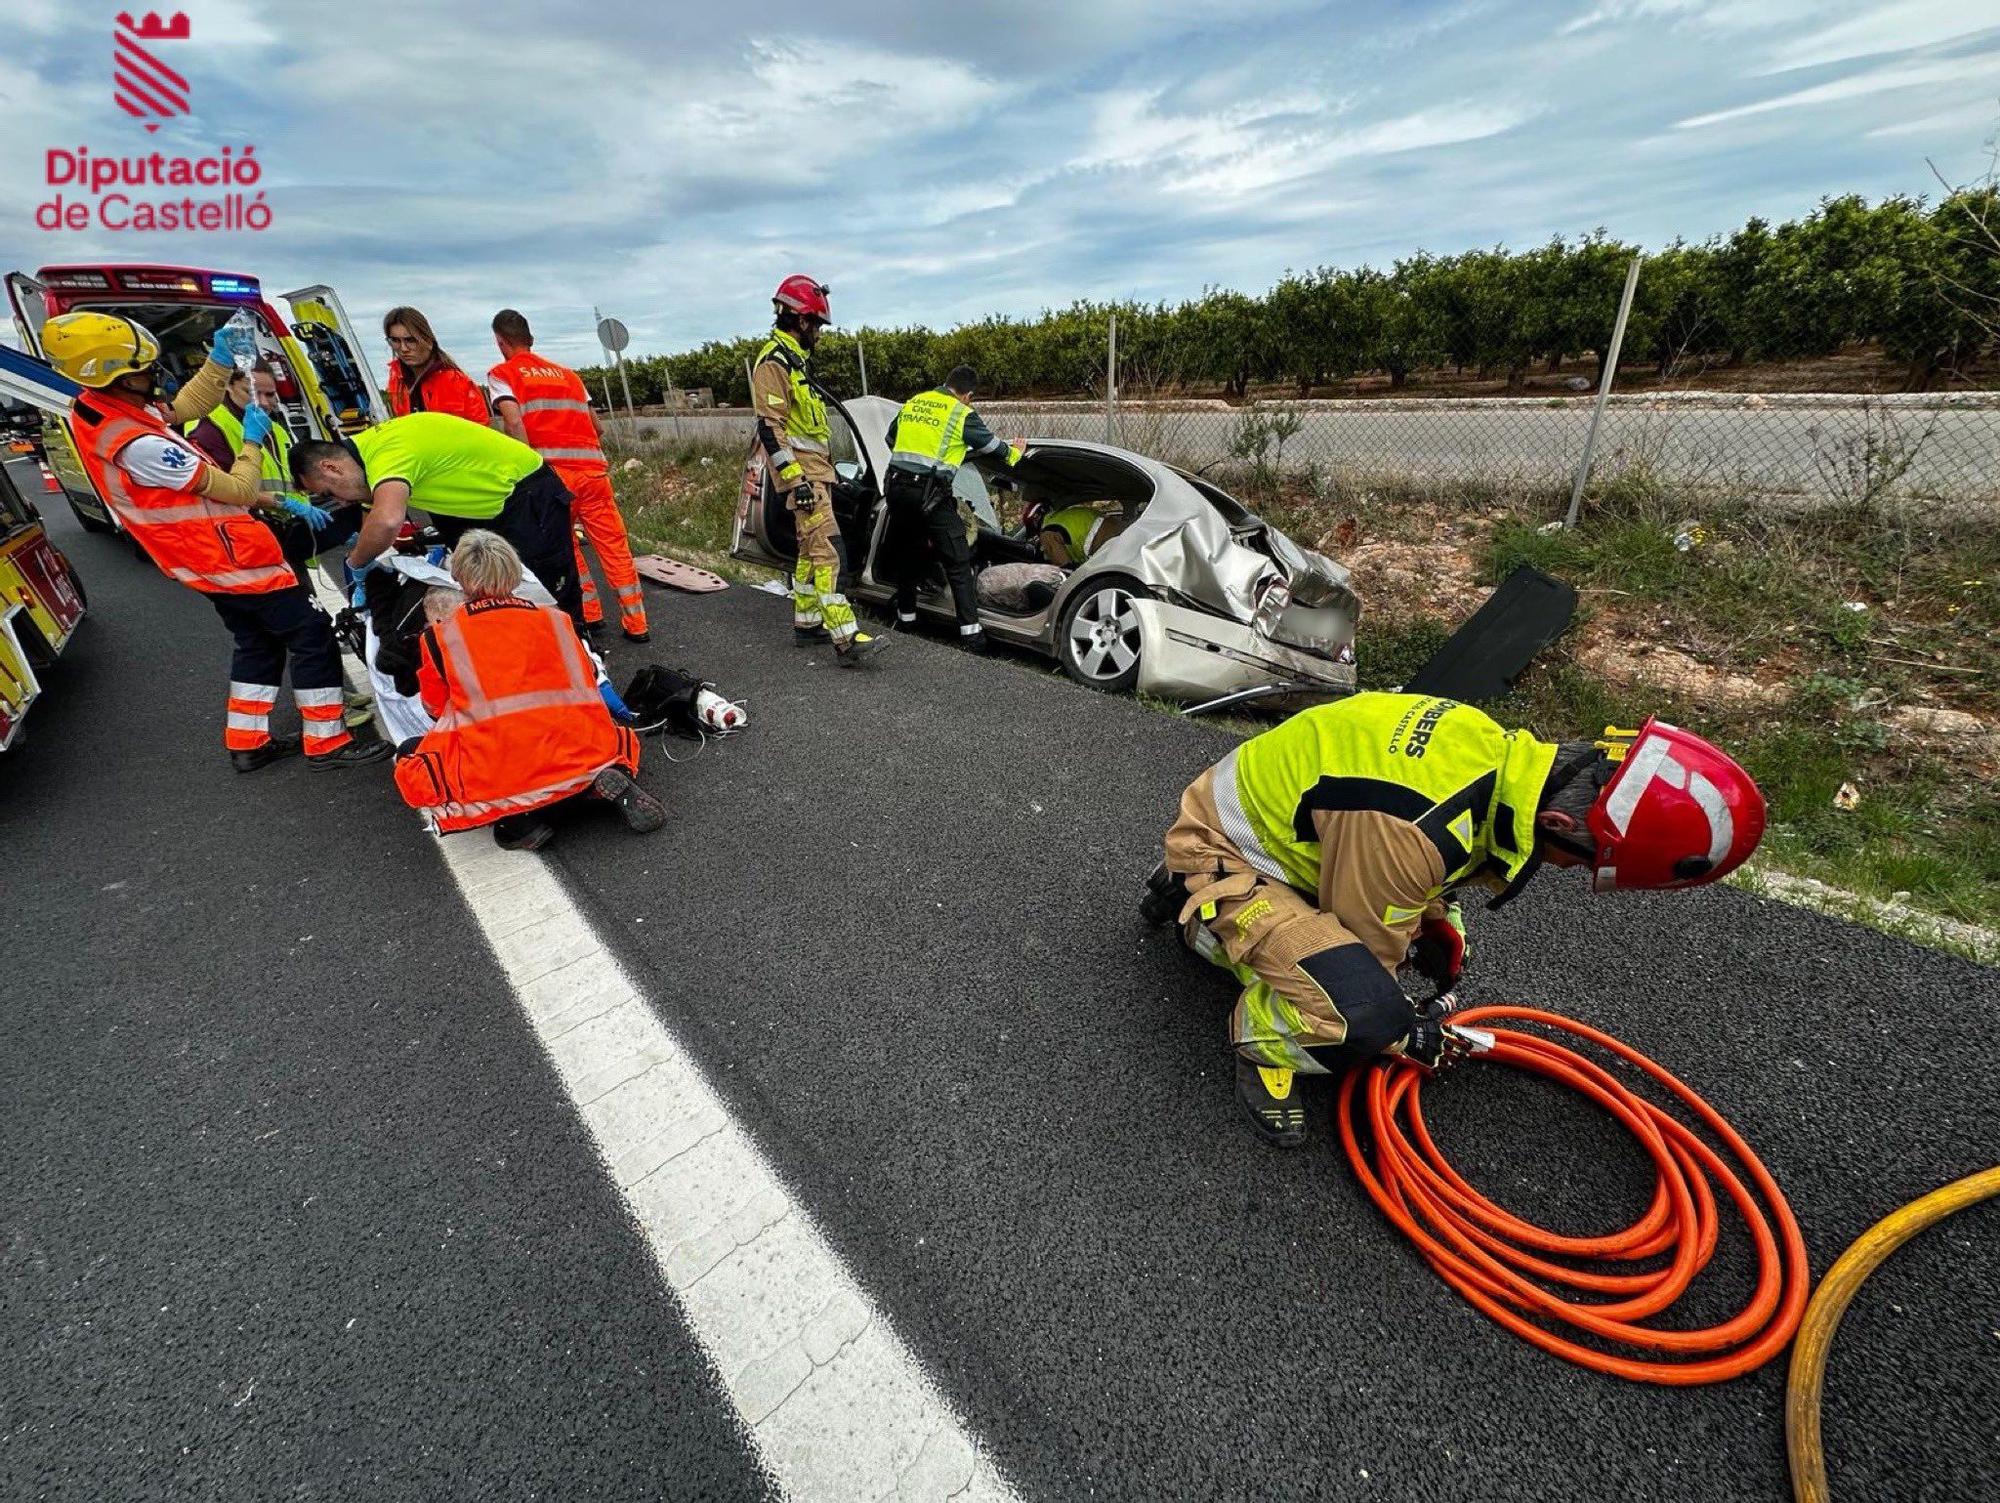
(95,349)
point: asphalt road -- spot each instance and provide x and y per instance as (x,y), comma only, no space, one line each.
(896,923)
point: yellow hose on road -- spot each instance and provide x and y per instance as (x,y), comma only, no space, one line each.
(1836,1291)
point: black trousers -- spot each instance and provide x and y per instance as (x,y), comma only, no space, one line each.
(924,521)
(535,519)
(277,629)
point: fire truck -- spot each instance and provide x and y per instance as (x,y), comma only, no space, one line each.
(325,387)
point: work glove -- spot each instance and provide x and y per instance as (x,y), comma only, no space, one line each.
(1439,950)
(218,347)
(316,517)
(620,711)
(256,425)
(803,496)
(1438,1046)
(357,582)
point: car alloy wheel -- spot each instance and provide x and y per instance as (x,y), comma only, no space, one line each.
(1101,637)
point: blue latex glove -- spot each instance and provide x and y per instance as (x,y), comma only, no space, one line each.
(316,517)
(218,347)
(357,587)
(256,424)
(357,595)
(615,705)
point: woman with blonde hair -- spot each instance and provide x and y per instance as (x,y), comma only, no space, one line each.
(521,726)
(422,377)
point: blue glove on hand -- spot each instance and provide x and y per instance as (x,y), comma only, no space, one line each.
(256,424)
(218,348)
(316,517)
(357,588)
(617,706)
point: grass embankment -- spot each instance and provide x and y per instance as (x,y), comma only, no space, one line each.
(1850,658)
(1748,634)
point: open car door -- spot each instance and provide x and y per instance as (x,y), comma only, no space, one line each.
(326,334)
(765,532)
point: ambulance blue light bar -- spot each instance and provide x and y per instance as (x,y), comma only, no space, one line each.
(233,286)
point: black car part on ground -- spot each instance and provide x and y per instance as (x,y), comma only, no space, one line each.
(1484,656)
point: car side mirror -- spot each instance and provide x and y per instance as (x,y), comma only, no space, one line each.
(848,469)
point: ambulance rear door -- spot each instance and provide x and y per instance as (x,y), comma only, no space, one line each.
(31,310)
(324,331)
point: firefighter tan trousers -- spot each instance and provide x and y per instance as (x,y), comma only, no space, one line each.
(1309,985)
(816,597)
(594,516)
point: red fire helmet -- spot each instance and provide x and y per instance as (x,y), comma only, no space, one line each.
(1678,812)
(805,297)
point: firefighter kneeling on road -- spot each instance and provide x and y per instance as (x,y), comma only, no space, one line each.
(193,519)
(934,434)
(797,443)
(1307,861)
(522,724)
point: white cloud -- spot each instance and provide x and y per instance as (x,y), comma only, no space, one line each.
(1932,74)
(1896,27)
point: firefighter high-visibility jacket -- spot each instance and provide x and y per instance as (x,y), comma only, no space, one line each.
(204,544)
(791,418)
(441,388)
(936,431)
(555,411)
(227,439)
(1376,807)
(520,724)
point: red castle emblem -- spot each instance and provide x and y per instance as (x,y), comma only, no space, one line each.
(147,89)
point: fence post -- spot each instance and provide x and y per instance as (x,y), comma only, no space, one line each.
(749,388)
(1111,384)
(1603,393)
(861,354)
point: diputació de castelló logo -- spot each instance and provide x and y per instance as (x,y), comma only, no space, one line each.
(90,185)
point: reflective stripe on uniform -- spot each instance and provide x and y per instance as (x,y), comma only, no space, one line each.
(571,453)
(581,690)
(810,445)
(784,458)
(1236,822)
(231,578)
(555,404)
(268,693)
(237,720)
(521,801)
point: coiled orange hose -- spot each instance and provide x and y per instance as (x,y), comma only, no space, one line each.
(1496,1260)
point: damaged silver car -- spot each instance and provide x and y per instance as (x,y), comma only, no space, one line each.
(1184,592)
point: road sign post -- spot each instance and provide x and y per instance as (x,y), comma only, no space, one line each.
(614,336)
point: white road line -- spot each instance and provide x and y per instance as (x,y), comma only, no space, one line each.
(835,1404)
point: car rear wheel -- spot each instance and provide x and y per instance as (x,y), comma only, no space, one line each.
(1098,639)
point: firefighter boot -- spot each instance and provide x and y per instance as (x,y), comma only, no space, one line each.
(858,650)
(1269,1094)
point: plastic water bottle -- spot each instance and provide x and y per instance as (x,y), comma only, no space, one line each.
(240,334)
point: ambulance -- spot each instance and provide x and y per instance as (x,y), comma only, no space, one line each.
(324,385)
(41,599)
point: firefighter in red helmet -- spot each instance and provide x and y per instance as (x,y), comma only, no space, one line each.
(793,430)
(1316,858)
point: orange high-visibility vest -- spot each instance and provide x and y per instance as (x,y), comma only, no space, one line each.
(203,544)
(523,725)
(555,409)
(442,388)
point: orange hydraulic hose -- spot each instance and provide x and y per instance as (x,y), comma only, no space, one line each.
(1496,1259)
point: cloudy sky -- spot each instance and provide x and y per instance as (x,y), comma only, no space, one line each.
(940,162)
